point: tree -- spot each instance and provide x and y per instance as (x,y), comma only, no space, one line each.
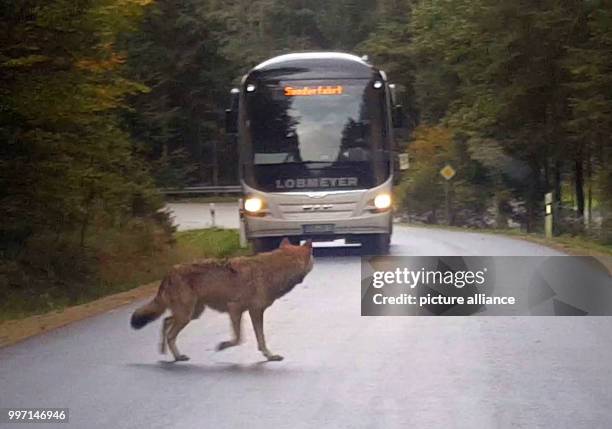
(590,64)
(389,47)
(175,54)
(501,77)
(423,191)
(68,168)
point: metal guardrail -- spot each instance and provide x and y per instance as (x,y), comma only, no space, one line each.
(232,189)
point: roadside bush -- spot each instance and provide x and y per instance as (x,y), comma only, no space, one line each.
(55,270)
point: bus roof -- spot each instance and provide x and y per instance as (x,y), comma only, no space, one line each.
(313,65)
(309,56)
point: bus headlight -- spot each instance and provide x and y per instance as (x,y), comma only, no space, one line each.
(253,204)
(382,201)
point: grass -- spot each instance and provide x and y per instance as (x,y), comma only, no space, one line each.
(117,270)
(214,242)
(572,245)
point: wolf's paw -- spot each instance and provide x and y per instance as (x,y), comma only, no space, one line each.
(273,358)
(225,344)
(181,358)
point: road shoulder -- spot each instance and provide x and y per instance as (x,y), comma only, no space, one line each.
(566,245)
(14,331)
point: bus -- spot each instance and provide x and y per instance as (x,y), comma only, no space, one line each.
(316,150)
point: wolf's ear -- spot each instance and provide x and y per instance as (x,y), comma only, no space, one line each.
(285,242)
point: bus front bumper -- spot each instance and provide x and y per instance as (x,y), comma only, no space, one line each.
(321,230)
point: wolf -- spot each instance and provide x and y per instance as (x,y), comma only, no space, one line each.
(235,285)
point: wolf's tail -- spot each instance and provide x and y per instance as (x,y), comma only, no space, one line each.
(151,311)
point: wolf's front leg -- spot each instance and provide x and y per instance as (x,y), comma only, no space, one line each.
(257,320)
(235,313)
(178,324)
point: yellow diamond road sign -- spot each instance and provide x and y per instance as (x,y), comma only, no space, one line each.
(448,172)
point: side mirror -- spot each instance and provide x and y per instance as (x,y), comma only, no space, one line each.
(231,114)
(398,116)
(231,121)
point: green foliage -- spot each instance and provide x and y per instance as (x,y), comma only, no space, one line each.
(69,170)
(389,47)
(529,80)
(126,258)
(176,122)
(253,31)
(65,158)
(423,191)
(590,66)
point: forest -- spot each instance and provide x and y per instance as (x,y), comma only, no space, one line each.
(103,102)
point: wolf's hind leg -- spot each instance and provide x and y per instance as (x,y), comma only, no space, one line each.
(257,319)
(166,324)
(177,326)
(235,313)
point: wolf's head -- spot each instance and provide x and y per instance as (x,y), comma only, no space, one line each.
(304,252)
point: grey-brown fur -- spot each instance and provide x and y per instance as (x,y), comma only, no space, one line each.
(234,286)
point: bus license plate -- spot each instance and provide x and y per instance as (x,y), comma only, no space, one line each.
(323,228)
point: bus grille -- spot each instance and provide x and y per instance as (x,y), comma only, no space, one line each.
(316,211)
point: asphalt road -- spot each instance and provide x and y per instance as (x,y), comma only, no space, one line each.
(340,369)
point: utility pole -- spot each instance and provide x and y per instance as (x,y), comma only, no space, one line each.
(448,172)
(548,215)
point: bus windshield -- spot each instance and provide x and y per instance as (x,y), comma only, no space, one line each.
(317,128)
